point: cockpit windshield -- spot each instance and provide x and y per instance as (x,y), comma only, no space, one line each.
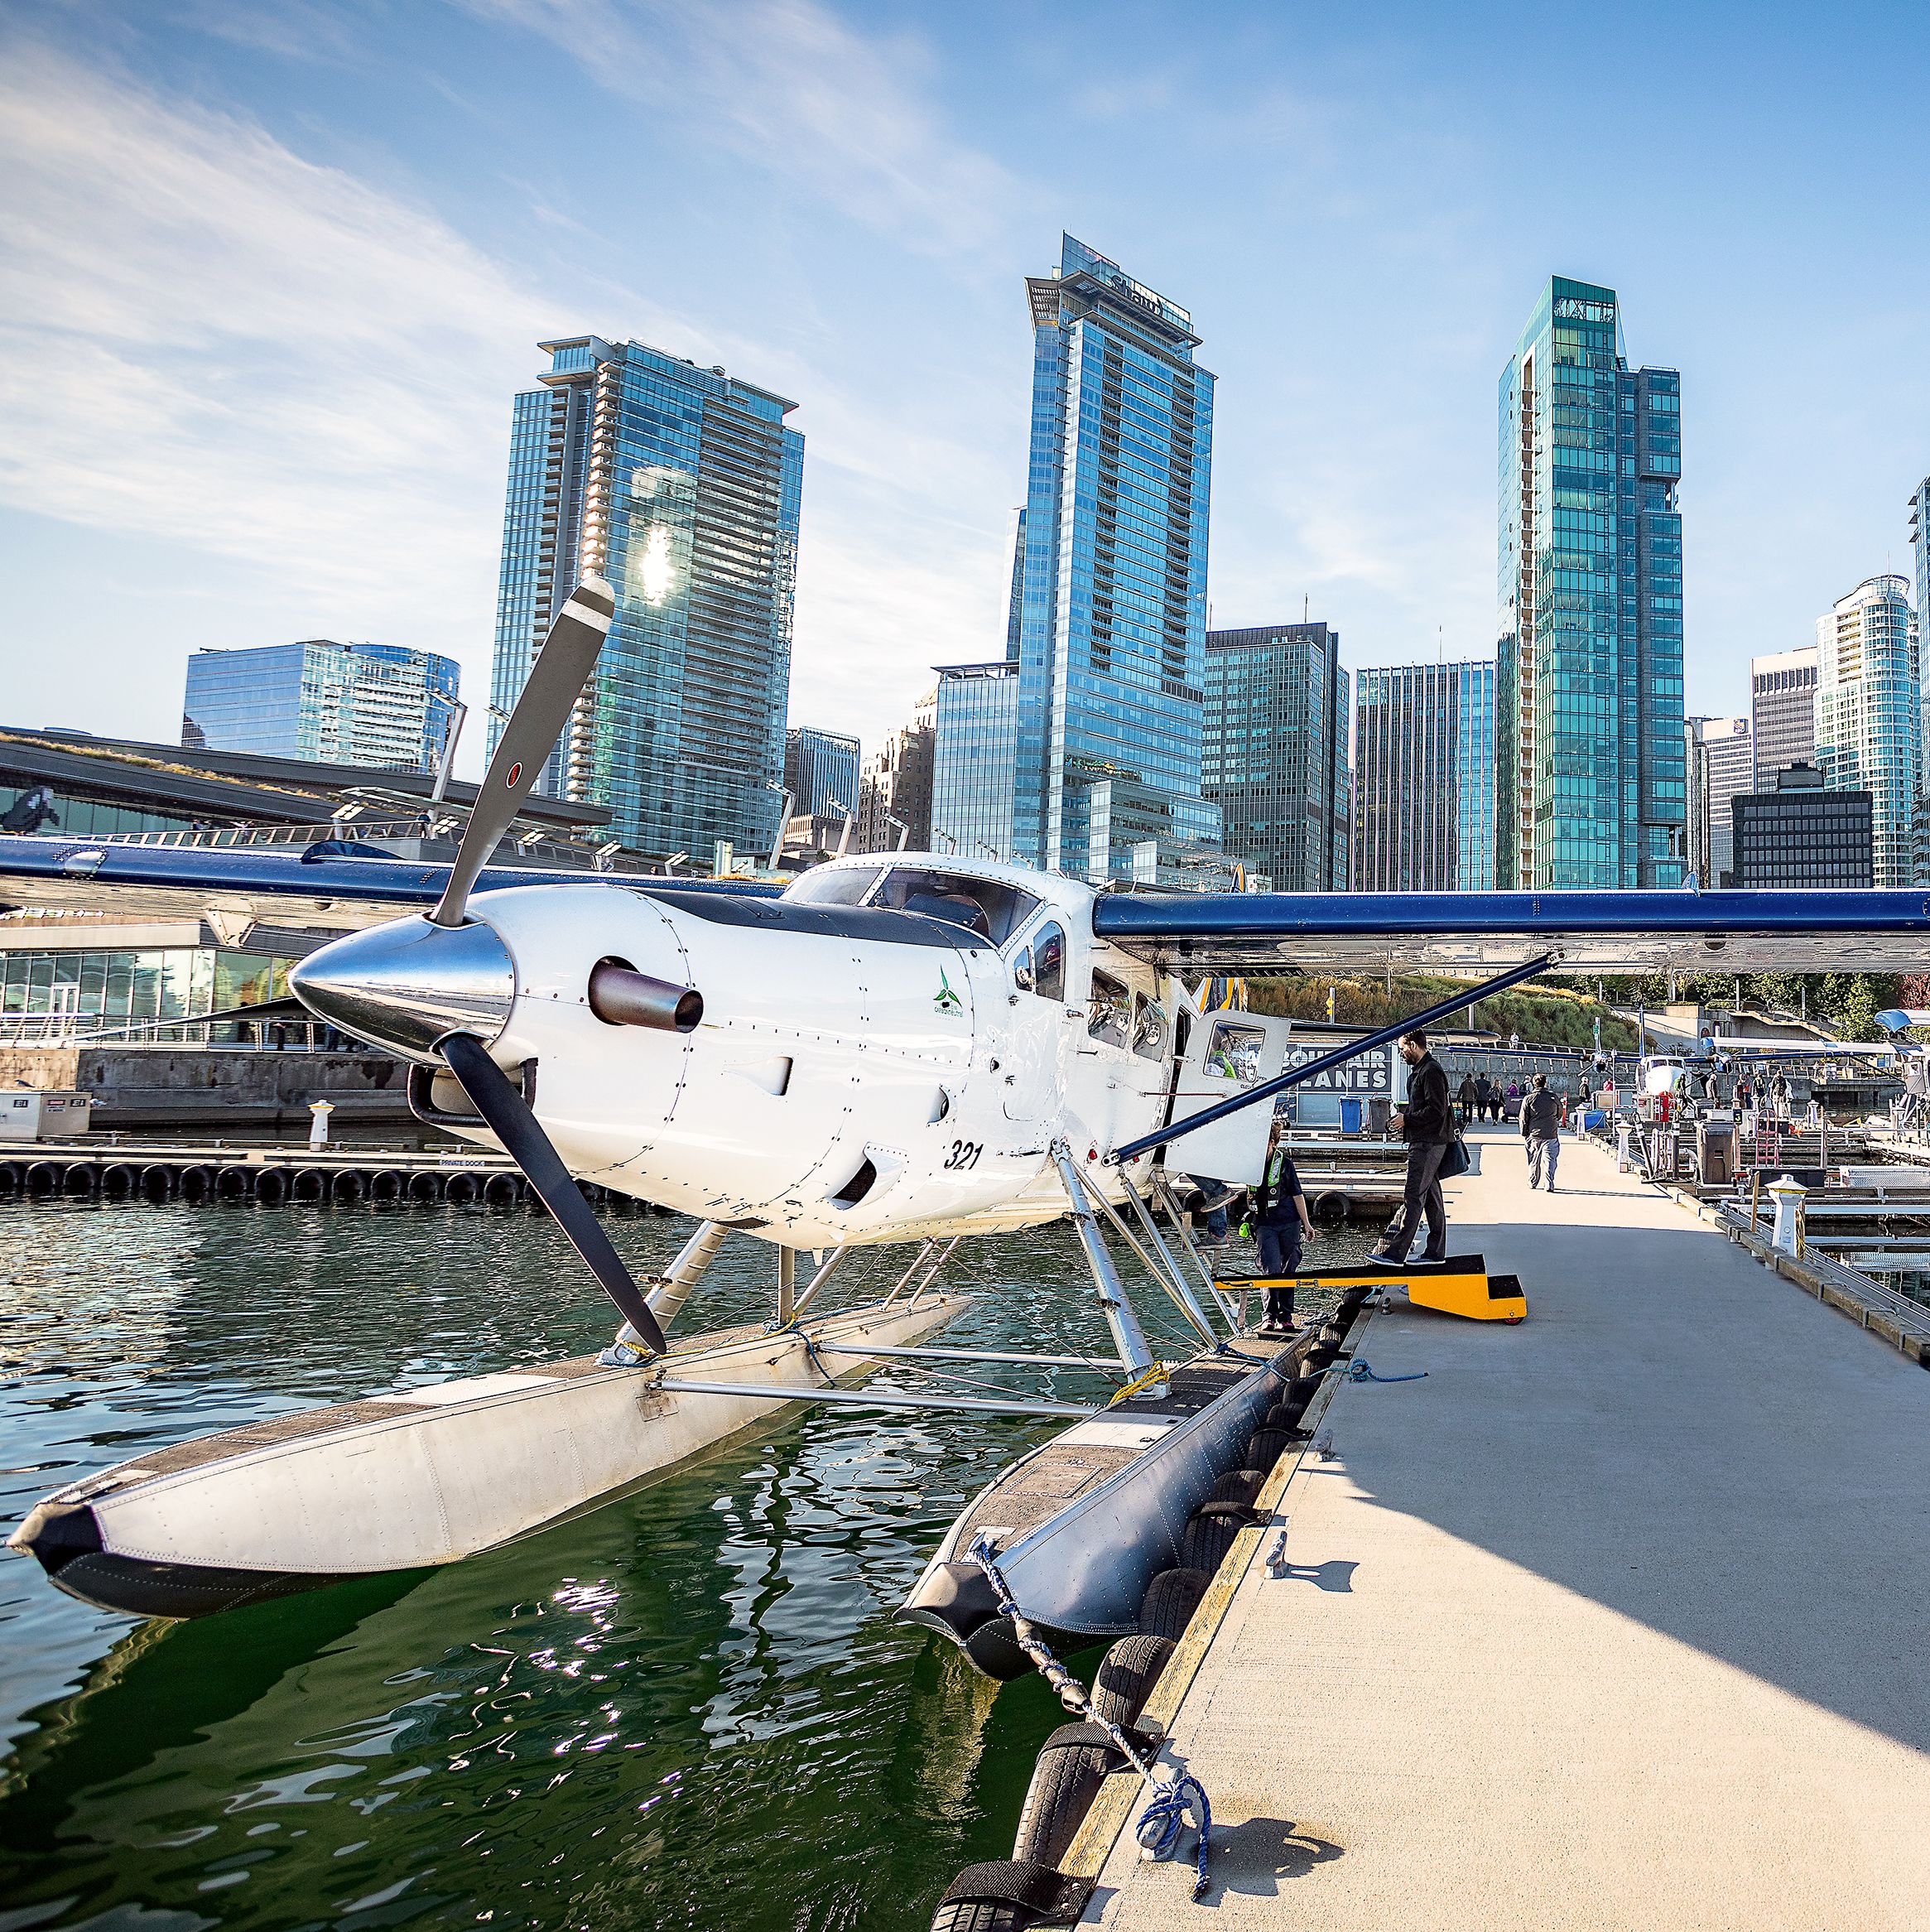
(984,906)
(833,885)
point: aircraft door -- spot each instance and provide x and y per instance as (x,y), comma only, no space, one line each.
(1227,1053)
(1114,1056)
(1030,1080)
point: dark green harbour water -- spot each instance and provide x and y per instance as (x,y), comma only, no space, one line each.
(689,1707)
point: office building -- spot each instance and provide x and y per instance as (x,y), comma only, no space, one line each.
(1920,551)
(380,705)
(1424,778)
(821,772)
(1724,767)
(1869,721)
(1920,557)
(1801,834)
(1783,711)
(974,748)
(1113,593)
(1592,790)
(681,485)
(894,795)
(1274,755)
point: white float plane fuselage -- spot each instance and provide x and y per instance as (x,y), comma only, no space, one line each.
(886,1053)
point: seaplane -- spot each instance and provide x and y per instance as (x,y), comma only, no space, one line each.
(891,1049)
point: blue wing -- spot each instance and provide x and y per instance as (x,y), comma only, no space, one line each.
(1473,932)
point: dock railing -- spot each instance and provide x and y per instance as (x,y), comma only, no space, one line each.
(1901,1321)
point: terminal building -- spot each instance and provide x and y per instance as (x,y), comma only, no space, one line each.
(60,976)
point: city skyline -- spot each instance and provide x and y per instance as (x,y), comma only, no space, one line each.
(350,226)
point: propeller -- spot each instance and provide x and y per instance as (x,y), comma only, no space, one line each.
(556,681)
(507,1116)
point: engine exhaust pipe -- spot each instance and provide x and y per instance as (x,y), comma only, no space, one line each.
(619,995)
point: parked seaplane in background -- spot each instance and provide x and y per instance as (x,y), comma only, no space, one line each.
(894,1048)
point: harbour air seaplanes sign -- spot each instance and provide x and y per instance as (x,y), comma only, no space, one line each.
(1370,1074)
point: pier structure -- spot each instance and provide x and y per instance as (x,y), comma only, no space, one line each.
(274,1176)
(1613,1619)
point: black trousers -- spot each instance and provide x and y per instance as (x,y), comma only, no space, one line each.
(1423,1196)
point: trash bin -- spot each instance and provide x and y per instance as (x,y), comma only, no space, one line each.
(1379,1115)
(1349,1116)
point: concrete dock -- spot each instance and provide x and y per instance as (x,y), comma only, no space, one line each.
(1620,1618)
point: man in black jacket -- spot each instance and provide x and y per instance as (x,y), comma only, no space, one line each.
(1426,1125)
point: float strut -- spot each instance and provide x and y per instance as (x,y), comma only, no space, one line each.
(1127,1338)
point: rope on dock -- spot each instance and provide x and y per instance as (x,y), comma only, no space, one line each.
(1165,1816)
(1357,1370)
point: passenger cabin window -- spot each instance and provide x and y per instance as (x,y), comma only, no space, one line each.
(1109,1013)
(985,906)
(1048,963)
(834,885)
(1149,1030)
(1235,1051)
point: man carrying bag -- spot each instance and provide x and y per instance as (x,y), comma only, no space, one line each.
(1426,1125)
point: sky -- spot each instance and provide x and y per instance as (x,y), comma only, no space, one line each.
(270,273)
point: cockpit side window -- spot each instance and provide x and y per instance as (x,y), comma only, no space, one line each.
(1109,1012)
(986,906)
(1048,954)
(1021,971)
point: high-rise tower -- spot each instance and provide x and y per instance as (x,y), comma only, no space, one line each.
(1868,714)
(1424,778)
(1782,712)
(1275,752)
(1591,788)
(680,485)
(1112,598)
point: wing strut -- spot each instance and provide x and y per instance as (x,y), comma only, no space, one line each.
(1298,1075)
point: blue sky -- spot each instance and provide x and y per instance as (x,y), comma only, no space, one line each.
(269,274)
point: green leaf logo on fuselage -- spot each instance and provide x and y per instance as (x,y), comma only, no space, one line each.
(944,1001)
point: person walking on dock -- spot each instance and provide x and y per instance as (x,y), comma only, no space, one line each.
(1464,1098)
(1279,1220)
(1541,1128)
(1426,1125)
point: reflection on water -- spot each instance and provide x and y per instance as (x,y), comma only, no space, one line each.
(688,1705)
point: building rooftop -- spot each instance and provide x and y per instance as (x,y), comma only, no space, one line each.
(237,786)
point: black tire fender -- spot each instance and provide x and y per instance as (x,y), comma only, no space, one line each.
(1171,1599)
(1064,1783)
(1126,1676)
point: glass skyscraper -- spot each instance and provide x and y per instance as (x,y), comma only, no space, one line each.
(681,485)
(821,772)
(1868,721)
(1591,788)
(380,705)
(1113,595)
(1274,757)
(974,737)
(1424,778)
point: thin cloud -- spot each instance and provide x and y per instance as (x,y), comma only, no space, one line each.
(209,339)
(787,85)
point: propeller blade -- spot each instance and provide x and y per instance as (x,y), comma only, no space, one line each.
(495,1098)
(556,681)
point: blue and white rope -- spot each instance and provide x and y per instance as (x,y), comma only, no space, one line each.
(1165,1816)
